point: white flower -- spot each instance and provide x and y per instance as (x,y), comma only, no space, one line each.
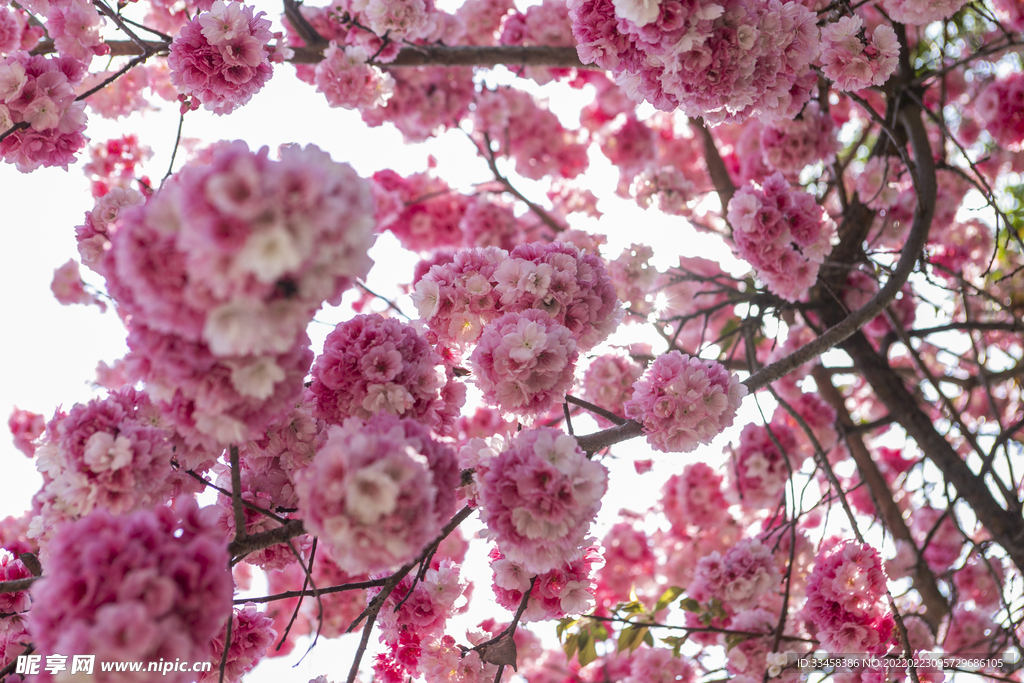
(104,452)
(575,598)
(370,494)
(640,12)
(255,378)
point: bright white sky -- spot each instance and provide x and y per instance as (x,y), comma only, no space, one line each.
(53,350)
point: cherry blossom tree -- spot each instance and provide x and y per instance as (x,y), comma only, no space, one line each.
(862,163)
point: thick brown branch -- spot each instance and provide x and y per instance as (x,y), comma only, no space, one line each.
(17,584)
(592,443)
(918,235)
(265,539)
(411,55)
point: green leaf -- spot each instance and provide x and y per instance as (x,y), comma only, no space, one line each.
(587,653)
(648,638)
(667,597)
(632,607)
(598,631)
(626,637)
(563,624)
(570,646)
(690,605)
(734,639)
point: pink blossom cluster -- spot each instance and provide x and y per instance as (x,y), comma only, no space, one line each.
(399,19)
(1001,107)
(981,580)
(558,592)
(252,632)
(945,540)
(634,278)
(969,631)
(74,26)
(725,62)
(423,610)
(783,233)
(14,602)
(747,661)
(459,298)
(1009,12)
(268,466)
(425,100)
(608,383)
(26,427)
(219,57)
(377,492)
(545,24)
(921,12)
(93,235)
(524,362)
(150,585)
(738,578)
(530,133)
(421,210)
(791,144)
(123,96)
(372,364)
(114,453)
(962,248)
(444,661)
(491,222)
(69,288)
(629,564)
(846,599)
(759,470)
(346,80)
(39,92)
(695,498)
(113,163)
(683,402)
(658,665)
(849,62)
(221,271)
(539,497)
(16,33)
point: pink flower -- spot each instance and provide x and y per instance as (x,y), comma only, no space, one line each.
(1001,107)
(695,498)
(348,81)
(782,233)
(26,427)
(219,304)
(252,632)
(372,364)
(167,595)
(69,288)
(377,492)
(524,362)
(659,665)
(850,63)
(218,57)
(846,599)
(921,12)
(115,453)
(608,383)
(737,578)
(568,589)
(683,402)
(539,497)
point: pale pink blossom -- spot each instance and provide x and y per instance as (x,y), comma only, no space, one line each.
(683,402)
